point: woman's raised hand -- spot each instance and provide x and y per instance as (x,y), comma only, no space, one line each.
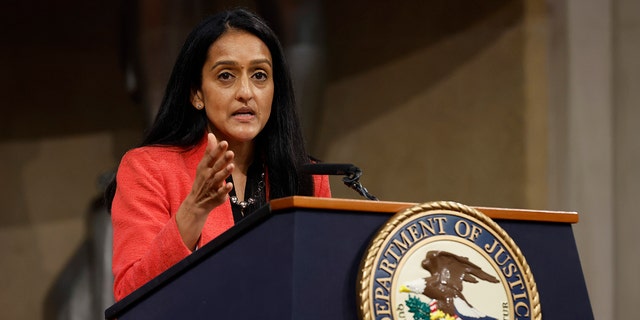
(209,189)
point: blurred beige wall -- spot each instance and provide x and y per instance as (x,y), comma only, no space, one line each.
(438,106)
(594,145)
(626,146)
(65,117)
(508,103)
(47,186)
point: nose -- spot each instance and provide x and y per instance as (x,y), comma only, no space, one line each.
(245,91)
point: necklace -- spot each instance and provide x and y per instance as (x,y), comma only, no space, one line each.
(251,200)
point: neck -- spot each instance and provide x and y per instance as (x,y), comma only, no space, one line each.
(243,155)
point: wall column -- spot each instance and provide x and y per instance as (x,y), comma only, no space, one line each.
(582,137)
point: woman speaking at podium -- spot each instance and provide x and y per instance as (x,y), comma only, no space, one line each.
(226,139)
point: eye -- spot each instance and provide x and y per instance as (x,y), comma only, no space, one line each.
(260,76)
(225,76)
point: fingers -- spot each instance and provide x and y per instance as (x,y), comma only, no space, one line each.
(217,162)
(224,191)
(213,150)
(210,187)
(214,153)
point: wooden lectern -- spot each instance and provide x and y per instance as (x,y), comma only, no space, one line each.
(298,258)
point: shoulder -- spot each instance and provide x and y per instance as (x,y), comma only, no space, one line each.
(162,155)
(150,156)
(155,153)
(157,161)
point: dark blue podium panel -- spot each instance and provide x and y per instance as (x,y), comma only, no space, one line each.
(551,252)
(304,264)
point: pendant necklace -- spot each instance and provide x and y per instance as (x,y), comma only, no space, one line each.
(251,200)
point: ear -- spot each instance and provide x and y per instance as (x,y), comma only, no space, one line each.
(196,99)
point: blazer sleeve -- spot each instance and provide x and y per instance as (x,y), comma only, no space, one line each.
(321,186)
(146,240)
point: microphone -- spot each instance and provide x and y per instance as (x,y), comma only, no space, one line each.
(331,169)
(352,175)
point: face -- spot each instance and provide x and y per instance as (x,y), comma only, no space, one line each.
(237,87)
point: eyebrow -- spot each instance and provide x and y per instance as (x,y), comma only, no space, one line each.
(235,63)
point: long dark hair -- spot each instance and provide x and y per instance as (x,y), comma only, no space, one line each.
(280,144)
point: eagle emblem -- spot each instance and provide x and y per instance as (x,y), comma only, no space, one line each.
(444,285)
(445,261)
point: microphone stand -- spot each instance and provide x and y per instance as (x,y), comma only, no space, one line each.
(352,175)
(353,181)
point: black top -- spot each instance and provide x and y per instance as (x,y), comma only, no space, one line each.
(251,190)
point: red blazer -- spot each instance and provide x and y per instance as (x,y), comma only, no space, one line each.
(152,182)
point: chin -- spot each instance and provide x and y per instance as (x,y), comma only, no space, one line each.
(244,136)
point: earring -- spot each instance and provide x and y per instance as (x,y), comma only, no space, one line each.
(199,107)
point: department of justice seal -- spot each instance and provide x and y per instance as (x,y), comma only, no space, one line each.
(444,260)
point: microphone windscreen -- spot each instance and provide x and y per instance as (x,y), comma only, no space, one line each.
(334,169)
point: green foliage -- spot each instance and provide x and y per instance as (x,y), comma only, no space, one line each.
(420,310)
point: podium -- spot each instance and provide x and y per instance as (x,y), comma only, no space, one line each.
(299,257)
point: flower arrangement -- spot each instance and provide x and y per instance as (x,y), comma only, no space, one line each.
(422,311)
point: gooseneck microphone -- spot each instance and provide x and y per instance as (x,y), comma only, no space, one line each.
(352,175)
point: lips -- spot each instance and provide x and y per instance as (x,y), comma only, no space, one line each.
(244,111)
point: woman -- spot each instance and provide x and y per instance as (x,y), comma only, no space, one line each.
(226,139)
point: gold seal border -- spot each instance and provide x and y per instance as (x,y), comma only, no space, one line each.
(366,265)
